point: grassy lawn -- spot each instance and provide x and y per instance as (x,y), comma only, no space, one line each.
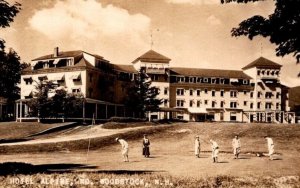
(15,130)
(172,156)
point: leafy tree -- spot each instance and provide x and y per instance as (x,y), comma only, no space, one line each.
(141,96)
(40,105)
(62,104)
(282,27)
(10,66)
(7,14)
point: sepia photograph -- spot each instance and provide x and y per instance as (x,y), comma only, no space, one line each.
(150,93)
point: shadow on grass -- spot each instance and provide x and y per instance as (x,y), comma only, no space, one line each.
(243,158)
(277,159)
(12,168)
(129,172)
(14,140)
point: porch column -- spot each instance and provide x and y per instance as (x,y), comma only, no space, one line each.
(17,111)
(26,110)
(96,109)
(106,111)
(21,111)
(1,115)
(83,111)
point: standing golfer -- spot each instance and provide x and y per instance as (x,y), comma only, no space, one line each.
(215,150)
(124,150)
(236,145)
(270,146)
(197,147)
(146,144)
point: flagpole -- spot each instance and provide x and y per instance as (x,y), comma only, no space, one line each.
(88,149)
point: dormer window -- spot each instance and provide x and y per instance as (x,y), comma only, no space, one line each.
(45,65)
(70,62)
(192,79)
(258,72)
(205,80)
(180,79)
(213,80)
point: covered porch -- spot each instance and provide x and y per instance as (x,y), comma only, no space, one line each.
(92,109)
(274,116)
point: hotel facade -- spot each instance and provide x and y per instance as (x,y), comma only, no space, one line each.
(252,94)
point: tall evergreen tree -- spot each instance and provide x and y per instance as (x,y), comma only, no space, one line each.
(10,68)
(142,97)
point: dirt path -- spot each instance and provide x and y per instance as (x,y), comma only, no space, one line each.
(90,132)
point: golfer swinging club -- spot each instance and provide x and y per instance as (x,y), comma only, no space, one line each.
(215,150)
(124,150)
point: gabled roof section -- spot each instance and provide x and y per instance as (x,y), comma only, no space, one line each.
(209,73)
(83,63)
(75,53)
(153,56)
(61,55)
(125,68)
(262,63)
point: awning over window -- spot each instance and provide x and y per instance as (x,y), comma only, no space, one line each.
(58,77)
(56,61)
(27,78)
(42,77)
(234,80)
(27,92)
(75,76)
(197,110)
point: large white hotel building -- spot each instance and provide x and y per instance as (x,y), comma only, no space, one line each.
(252,94)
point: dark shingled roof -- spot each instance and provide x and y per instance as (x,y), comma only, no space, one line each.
(262,63)
(209,73)
(75,53)
(153,56)
(125,68)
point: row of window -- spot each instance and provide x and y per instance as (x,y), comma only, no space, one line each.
(268,72)
(209,80)
(233,104)
(268,95)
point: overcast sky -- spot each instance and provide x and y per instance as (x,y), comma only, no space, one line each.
(193,33)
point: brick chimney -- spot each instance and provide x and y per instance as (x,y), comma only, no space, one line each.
(56,52)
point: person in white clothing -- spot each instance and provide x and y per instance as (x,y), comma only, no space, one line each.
(270,146)
(215,150)
(197,147)
(236,145)
(124,150)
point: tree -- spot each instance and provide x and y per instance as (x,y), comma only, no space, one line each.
(142,97)
(62,104)
(40,105)
(282,27)
(10,66)
(7,14)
